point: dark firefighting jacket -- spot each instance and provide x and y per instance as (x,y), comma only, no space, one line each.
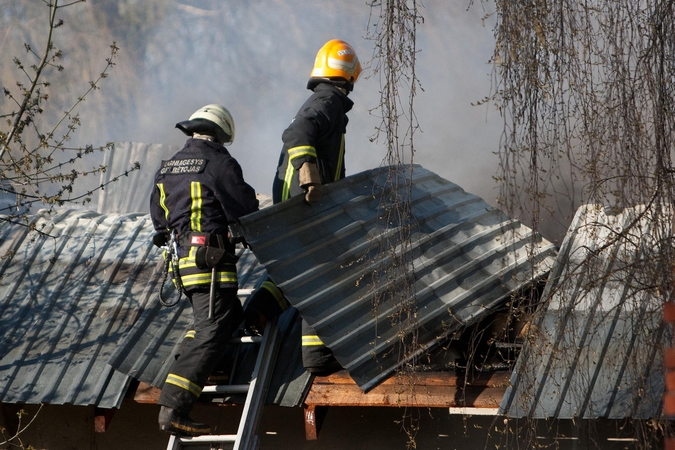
(315,135)
(198,193)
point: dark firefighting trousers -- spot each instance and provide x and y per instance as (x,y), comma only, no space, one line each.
(266,303)
(269,302)
(200,352)
(316,357)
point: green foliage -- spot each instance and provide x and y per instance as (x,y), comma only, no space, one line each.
(36,163)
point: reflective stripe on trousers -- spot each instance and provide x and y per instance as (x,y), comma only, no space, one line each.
(201,350)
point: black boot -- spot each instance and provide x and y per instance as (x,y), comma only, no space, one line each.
(176,422)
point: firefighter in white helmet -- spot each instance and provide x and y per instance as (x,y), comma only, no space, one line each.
(198,193)
(313,154)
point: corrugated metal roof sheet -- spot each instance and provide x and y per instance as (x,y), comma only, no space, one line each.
(59,333)
(467,258)
(7,200)
(115,198)
(87,296)
(67,299)
(595,349)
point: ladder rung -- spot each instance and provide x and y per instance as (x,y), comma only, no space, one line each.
(226,389)
(209,438)
(246,340)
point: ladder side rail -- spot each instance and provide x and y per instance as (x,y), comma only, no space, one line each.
(248,426)
(174,443)
(266,355)
(239,340)
(179,441)
(226,389)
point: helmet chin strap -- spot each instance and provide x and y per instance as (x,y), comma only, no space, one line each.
(343,85)
(205,137)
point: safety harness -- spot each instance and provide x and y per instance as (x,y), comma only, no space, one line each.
(171,259)
(210,253)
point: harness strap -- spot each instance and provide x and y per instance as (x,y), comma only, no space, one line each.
(200,239)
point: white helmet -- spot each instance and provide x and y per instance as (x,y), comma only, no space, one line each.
(211,119)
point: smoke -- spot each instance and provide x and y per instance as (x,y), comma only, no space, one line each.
(255,58)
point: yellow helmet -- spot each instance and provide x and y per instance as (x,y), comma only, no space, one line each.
(336,61)
(211,119)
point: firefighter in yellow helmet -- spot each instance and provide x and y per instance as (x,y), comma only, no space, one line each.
(198,193)
(312,155)
(313,151)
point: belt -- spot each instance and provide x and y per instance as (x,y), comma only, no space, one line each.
(197,239)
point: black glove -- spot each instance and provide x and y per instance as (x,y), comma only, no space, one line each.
(236,234)
(160,239)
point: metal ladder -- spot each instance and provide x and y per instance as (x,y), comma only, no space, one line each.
(246,437)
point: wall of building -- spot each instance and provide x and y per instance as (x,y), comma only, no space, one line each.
(134,426)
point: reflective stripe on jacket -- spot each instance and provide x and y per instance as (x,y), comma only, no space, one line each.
(315,135)
(201,189)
